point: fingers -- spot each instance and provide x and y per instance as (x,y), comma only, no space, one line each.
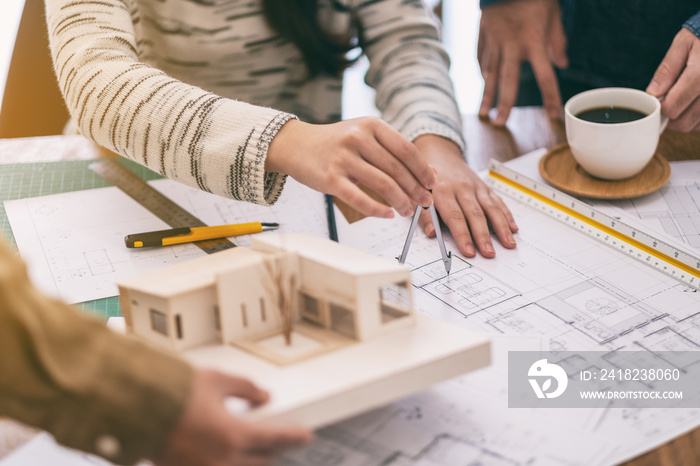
(679,100)
(689,120)
(480,49)
(393,180)
(452,214)
(490,70)
(508,77)
(547,82)
(359,200)
(407,154)
(557,42)
(679,103)
(672,65)
(385,186)
(499,217)
(266,438)
(241,388)
(468,218)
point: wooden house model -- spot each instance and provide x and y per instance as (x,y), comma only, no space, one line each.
(338,296)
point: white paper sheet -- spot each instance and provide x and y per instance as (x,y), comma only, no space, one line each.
(43,450)
(73,242)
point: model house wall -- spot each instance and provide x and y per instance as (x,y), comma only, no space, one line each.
(344,287)
(247,300)
(177,307)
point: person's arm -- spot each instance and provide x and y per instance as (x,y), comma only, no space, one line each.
(409,68)
(179,130)
(114,396)
(677,79)
(510,33)
(66,373)
(204,140)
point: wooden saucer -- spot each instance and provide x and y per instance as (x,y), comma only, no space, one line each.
(559,169)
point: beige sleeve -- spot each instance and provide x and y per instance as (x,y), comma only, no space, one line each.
(178,130)
(67,373)
(409,68)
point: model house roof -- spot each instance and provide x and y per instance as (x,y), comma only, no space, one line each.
(194,274)
(340,257)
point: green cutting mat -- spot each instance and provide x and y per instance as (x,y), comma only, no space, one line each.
(18,181)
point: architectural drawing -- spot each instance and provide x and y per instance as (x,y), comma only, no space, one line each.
(558,287)
(74,242)
(675,208)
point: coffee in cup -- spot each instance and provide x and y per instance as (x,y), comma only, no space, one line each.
(613,132)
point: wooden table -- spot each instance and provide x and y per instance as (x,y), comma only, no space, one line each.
(527,129)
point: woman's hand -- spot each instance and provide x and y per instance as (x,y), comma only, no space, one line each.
(465,203)
(207,434)
(335,158)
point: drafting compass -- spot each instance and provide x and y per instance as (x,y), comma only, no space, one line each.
(446,256)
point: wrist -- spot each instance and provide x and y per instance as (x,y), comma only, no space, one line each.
(433,146)
(283,143)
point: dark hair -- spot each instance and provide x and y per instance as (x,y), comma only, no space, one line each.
(297,21)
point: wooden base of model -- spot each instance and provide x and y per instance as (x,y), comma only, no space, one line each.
(327,388)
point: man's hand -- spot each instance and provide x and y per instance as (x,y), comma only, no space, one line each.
(208,435)
(465,203)
(678,79)
(335,158)
(512,32)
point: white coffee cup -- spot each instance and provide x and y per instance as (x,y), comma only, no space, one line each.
(614,151)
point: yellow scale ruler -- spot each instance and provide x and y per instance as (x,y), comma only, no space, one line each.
(155,202)
(632,241)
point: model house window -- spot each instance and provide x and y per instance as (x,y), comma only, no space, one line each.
(310,307)
(342,320)
(244,315)
(395,301)
(178,326)
(159,322)
(217,318)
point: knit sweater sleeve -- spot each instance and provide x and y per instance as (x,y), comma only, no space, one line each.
(67,373)
(409,69)
(181,131)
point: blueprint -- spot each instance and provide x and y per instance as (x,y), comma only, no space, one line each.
(73,242)
(675,208)
(672,212)
(559,290)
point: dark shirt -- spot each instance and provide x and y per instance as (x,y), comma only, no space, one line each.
(613,43)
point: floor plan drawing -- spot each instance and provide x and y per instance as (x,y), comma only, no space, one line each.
(673,209)
(448,425)
(74,242)
(558,287)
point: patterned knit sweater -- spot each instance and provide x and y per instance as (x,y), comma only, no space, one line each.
(197,89)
